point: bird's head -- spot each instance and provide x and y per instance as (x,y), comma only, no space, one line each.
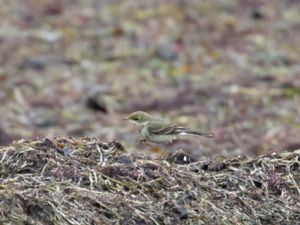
(138,117)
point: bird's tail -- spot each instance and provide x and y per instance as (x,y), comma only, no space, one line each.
(199,133)
(184,131)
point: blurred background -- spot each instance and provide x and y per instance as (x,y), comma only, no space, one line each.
(77,68)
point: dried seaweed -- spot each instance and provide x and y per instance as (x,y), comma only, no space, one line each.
(62,180)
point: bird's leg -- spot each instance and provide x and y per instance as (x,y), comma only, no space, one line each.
(144,141)
(166,150)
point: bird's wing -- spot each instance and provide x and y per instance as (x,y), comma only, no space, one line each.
(174,129)
(165,128)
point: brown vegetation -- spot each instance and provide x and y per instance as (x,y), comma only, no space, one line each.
(64,180)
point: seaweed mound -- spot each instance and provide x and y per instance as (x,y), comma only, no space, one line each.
(62,180)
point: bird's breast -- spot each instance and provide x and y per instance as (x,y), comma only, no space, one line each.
(144,131)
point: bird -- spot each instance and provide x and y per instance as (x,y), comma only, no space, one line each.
(160,130)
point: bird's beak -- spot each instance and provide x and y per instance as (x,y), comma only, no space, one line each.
(125,118)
